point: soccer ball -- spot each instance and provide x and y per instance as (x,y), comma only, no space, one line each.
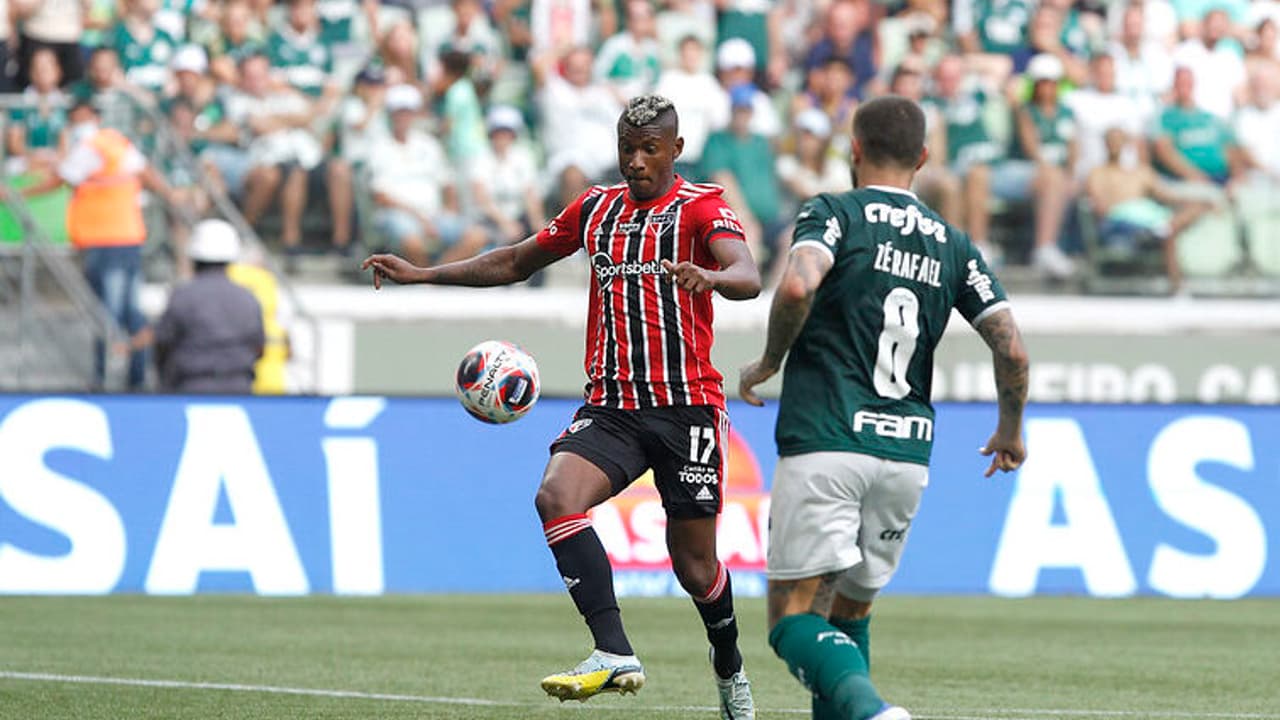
(497,382)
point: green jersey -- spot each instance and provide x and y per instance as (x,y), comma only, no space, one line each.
(1055,133)
(303,59)
(145,63)
(859,376)
(968,142)
(1200,136)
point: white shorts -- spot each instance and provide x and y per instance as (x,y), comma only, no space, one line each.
(842,512)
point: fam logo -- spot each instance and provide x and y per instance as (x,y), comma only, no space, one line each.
(606,269)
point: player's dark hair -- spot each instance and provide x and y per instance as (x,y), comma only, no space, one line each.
(891,131)
(646,110)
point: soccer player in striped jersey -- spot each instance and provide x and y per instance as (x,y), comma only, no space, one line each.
(870,283)
(658,246)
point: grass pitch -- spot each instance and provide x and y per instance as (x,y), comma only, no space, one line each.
(480,657)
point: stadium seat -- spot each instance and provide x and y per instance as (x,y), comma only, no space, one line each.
(1211,247)
(1260,214)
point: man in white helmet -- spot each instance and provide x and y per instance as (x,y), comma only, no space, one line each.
(211,333)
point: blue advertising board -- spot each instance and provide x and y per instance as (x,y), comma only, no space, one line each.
(369,495)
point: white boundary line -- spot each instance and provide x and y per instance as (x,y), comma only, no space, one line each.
(970,714)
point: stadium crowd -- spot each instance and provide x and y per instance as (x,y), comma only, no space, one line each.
(437,128)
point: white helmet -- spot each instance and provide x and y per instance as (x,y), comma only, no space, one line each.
(215,241)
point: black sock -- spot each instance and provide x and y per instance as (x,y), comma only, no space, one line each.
(585,569)
(716,609)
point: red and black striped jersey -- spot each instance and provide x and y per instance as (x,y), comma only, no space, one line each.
(648,341)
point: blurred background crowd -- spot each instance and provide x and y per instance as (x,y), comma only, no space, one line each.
(1072,139)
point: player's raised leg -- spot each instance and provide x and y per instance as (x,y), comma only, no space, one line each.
(572,485)
(692,544)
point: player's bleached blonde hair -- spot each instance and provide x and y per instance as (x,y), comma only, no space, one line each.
(644,109)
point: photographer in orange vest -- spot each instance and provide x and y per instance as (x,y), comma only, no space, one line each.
(104,221)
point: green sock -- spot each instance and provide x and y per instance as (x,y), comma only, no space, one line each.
(827,662)
(858,631)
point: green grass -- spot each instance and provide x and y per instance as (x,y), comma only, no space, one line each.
(941,657)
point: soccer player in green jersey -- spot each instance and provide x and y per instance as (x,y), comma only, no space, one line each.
(869,286)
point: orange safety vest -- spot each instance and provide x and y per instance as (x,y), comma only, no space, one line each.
(104,210)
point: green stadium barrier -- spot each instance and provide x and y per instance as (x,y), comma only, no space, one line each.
(48,210)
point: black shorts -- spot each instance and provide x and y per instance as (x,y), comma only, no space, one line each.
(683,444)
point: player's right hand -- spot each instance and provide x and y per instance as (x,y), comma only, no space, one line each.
(1006,454)
(750,376)
(389,267)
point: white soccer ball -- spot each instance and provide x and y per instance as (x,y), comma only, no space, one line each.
(497,382)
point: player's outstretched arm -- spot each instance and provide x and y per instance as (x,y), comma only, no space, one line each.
(806,267)
(503,266)
(1009,357)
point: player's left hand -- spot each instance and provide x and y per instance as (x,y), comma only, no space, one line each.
(689,276)
(751,375)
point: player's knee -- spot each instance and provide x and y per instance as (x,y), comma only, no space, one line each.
(555,501)
(695,571)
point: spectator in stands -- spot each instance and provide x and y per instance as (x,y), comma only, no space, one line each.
(1044,37)
(681,19)
(260,18)
(702,103)
(214,139)
(144,50)
(934,182)
(1263,56)
(504,184)
(848,36)
(34,137)
(7,41)
(1099,108)
(52,24)
(998,27)
(233,43)
(758,24)
(962,105)
(831,89)
(414,191)
(363,117)
(579,120)
(561,25)
(1128,201)
(282,152)
(512,20)
(211,333)
(736,61)
(1257,128)
(1217,67)
(461,117)
(473,36)
(1191,145)
(115,98)
(628,62)
(104,221)
(398,53)
(1143,68)
(337,20)
(299,56)
(188,199)
(811,167)
(734,157)
(1040,166)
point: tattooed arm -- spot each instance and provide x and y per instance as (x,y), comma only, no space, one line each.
(503,266)
(806,267)
(1011,369)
